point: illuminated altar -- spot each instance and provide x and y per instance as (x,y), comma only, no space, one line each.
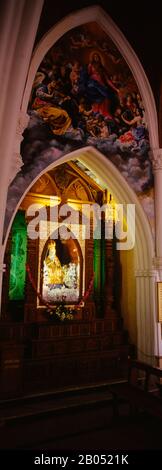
(61,295)
(60,281)
(60,270)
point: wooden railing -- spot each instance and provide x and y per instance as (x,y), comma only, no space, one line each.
(142,390)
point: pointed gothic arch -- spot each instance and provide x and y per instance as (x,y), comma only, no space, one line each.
(144,250)
(98,15)
(74,257)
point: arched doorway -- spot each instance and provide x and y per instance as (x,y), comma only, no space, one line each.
(144,251)
(61,281)
(98,15)
(91,15)
(141,268)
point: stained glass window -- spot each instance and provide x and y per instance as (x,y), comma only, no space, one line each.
(18,257)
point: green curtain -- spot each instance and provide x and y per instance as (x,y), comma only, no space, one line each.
(18,257)
(103,267)
(99,269)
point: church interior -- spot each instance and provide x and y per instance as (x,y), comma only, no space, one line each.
(60,272)
(81,227)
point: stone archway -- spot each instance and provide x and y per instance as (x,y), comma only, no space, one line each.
(98,15)
(145,247)
(147,328)
(144,251)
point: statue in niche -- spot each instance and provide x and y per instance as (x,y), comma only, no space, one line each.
(52,267)
(60,281)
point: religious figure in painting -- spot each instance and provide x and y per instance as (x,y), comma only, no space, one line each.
(47,105)
(101,91)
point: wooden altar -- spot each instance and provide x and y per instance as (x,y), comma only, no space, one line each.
(39,355)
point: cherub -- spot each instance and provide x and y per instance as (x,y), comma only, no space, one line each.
(105,48)
(82,108)
(104,132)
(84,41)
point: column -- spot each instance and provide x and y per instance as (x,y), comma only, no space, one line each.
(147,330)
(19,21)
(17,162)
(157,262)
(156,157)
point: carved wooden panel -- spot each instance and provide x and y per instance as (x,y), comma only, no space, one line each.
(75,369)
(109,277)
(11,365)
(30,293)
(45,185)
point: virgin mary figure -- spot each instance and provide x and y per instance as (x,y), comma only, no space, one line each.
(53,268)
(99,89)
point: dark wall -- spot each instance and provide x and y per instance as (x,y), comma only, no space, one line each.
(140,22)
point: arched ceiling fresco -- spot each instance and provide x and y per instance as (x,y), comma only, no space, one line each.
(84,94)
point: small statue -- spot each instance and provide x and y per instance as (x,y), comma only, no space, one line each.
(52,267)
